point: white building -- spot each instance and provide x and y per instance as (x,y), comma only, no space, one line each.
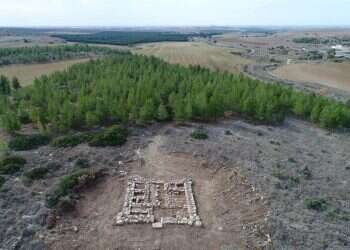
(341,51)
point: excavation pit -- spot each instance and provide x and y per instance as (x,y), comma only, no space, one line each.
(159,203)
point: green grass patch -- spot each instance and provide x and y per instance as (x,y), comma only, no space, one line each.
(3,146)
(337,214)
(71,140)
(28,142)
(317,204)
(11,164)
(36,173)
(71,184)
(199,135)
(113,136)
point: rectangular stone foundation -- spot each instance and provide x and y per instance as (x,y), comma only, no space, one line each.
(159,202)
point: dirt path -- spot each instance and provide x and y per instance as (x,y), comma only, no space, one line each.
(231,211)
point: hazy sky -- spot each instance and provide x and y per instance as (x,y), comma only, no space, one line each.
(173,12)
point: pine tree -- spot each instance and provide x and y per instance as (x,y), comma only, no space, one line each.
(91,119)
(10,122)
(147,112)
(5,88)
(162,113)
(15,83)
(188,111)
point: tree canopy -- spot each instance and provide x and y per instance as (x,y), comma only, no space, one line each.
(140,89)
(45,54)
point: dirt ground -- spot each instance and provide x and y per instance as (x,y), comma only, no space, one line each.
(336,75)
(195,53)
(250,183)
(232,213)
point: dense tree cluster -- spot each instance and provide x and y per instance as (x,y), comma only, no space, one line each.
(130,37)
(45,54)
(134,88)
(306,40)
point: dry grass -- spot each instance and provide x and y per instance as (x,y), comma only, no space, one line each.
(195,53)
(336,75)
(31,41)
(27,73)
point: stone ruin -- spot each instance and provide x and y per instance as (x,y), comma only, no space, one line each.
(159,202)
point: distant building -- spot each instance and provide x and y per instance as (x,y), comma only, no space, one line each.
(341,51)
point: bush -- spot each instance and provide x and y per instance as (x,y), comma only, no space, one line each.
(199,135)
(36,173)
(337,214)
(307,173)
(82,163)
(53,166)
(28,142)
(65,205)
(71,140)
(316,204)
(10,169)
(13,160)
(228,132)
(70,184)
(2,181)
(11,164)
(113,136)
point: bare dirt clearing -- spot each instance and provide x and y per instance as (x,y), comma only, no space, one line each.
(285,165)
(336,75)
(195,53)
(222,196)
(27,73)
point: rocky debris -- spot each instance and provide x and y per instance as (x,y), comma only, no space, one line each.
(144,196)
(157,225)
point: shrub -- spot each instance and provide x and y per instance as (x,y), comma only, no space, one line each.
(2,181)
(71,140)
(28,142)
(199,135)
(53,166)
(316,204)
(113,136)
(337,214)
(82,163)
(11,164)
(10,169)
(228,132)
(3,146)
(70,184)
(36,173)
(291,159)
(65,205)
(307,173)
(13,160)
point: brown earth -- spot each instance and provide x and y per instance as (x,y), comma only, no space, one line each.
(26,73)
(195,53)
(232,213)
(286,165)
(336,75)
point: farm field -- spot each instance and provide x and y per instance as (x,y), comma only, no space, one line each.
(29,41)
(193,53)
(334,75)
(27,73)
